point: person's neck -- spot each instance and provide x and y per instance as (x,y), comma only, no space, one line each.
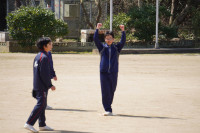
(46,50)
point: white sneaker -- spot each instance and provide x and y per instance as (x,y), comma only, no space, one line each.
(30,128)
(48,107)
(107,113)
(45,128)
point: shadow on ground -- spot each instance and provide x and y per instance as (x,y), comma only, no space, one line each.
(148,117)
(77,110)
(63,131)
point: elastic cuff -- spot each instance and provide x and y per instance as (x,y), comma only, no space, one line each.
(50,86)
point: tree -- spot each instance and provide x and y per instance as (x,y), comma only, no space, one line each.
(17,3)
(196,24)
(86,16)
(144,22)
(183,14)
(122,5)
(178,14)
(27,24)
(172,13)
(140,2)
(181,10)
(118,19)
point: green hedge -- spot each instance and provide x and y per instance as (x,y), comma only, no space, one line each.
(27,24)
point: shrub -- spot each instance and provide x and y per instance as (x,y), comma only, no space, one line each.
(196,24)
(168,32)
(27,24)
(143,20)
(118,19)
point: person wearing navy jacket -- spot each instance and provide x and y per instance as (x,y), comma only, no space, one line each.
(52,74)
(109,53)
(41,85)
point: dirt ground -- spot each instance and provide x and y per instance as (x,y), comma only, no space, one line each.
(155,94)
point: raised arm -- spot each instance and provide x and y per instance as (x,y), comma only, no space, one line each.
(98,44)
(121,44)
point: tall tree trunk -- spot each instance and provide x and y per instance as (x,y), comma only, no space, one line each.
(140,3)
(99,11)
(181,17)
(17,4)
(172,13)
(86,16)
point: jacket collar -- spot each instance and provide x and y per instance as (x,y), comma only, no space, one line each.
(42,51)
(106,45)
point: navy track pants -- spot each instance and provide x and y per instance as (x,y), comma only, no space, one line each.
(39,109)
(108,87)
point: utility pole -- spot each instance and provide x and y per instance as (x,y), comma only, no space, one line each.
(111,14)
(59,9)
(7,6)
(157,21)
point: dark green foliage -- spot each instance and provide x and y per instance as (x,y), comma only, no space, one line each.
(168,32)
(196,23)
(118,19)
(143,20)
(140,23)
(27,24)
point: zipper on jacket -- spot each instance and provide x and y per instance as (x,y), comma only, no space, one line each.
(109,49)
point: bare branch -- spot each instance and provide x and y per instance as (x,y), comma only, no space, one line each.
(99,11)
(172,13)
(86,16)
(180,18)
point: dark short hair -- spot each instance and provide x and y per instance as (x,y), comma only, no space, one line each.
(109,33)
(43,41)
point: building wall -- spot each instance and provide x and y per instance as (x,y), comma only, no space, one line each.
(3,15)
(69,11)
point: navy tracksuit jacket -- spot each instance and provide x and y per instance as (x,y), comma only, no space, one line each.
(41,84)
(109,68)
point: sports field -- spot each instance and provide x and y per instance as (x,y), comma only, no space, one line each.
(155,94)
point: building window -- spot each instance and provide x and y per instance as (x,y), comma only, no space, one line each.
(71,10)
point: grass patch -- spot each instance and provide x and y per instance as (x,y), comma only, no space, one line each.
(69,40)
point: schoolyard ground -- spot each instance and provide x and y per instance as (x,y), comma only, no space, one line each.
(156,93)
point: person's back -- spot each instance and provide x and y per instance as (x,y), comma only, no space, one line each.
(41,61)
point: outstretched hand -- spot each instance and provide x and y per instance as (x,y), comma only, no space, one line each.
(99,25)
(121,27)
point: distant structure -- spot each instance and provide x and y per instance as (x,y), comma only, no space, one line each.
(68,10)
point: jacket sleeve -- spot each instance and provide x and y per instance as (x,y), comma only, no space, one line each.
(121,44)
(52,72)
(98,44)
(45,73)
